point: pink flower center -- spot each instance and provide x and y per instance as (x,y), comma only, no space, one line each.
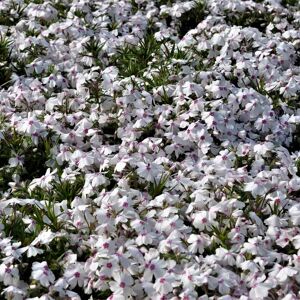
(77,274)
(162,280)
(109,265)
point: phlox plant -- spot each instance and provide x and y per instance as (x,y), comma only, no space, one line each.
(149,149)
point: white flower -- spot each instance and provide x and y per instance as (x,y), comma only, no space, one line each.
(149,171)
(14,293)
(258,187)
(75,275)
(163,285)
(296,241)
(109,75)
(32,251)
(122,284)
(30,125)
(43,182)
(16,161)
(190,278)
(42,273)
(294,212)
(153,266)
(204,219)
(259,291)
(198,243)
(225,256)
(44,237)
(9,274)
(286,272)
(204,141)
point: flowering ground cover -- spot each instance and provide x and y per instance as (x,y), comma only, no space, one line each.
(150,149)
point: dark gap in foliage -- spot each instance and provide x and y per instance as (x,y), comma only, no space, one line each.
(190,19)
(253,18)
(295,145)
(287,3)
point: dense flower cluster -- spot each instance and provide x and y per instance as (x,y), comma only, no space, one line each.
(149,149)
